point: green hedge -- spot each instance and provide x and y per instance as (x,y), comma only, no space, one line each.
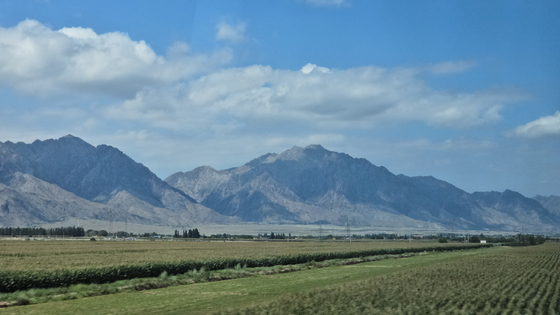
(11,281)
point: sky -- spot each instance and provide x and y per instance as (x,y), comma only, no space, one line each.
(465,91)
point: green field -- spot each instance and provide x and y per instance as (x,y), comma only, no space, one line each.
(523,280)
(56,255)
(204,298)
(498,280)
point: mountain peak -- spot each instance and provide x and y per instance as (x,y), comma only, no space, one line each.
(512,194)
(315,147)
(73,139)
(56,143)
(295,153)
(204,168)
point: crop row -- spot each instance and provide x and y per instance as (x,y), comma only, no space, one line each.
(509,281)
(59,255)
(11,281)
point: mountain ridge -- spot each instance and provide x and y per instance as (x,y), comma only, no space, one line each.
(313,182)
(302,185)
(99,174)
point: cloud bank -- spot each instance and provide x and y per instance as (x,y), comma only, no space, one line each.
(363,97)
(182,91)
(37,60)
(543,127)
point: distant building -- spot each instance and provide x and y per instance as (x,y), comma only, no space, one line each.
(482,241)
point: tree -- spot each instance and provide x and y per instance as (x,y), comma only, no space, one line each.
(474,239)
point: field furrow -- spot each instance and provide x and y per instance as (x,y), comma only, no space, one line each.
(521,280)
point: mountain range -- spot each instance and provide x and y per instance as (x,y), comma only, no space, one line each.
(47,181)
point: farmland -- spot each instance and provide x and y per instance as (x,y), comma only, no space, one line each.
(517,281)
(57,255)
(510,280)
(210,297)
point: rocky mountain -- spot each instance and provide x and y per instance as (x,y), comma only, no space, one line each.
(103,175)
(48,181)
(27,200)
(550,203)
(510,208)
(312,184)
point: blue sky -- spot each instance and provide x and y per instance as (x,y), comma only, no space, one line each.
(466,91)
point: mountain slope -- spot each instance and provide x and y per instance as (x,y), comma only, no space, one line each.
(312,184)
(46,181)
(27,200)
(525,213)
(93,173)
(101,174)
(550,203)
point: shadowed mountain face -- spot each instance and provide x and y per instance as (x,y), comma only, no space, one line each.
(102,174)
(313,184)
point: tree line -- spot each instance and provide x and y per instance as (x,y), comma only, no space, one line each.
(187,234)
(34,231)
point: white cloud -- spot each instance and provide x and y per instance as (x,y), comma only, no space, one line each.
(542,127)
(326,98)
(164,92)
(308,68)
(37,60)
(233,33)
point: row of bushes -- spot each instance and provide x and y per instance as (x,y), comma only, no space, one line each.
(15,281)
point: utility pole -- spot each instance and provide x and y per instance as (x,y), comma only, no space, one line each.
(320,232)
(348,230)
(111,222)
(65,219)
